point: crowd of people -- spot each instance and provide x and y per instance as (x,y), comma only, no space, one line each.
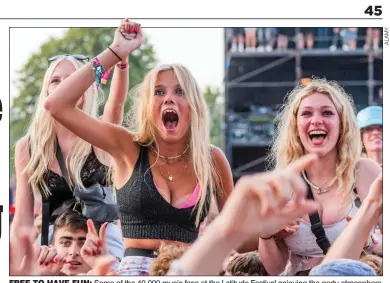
(156,198)
(281,39)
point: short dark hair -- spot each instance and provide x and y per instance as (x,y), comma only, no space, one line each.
(72,221)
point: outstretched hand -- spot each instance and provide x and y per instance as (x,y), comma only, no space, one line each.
(102,266)
(289,229)
(376,191)
(128,37)
(49,261)
(95,244)
(262,204)
(22,255)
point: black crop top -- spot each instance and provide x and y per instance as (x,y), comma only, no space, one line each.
(145,214)
(92,172)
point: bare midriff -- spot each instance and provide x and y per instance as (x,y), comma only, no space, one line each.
(150,244)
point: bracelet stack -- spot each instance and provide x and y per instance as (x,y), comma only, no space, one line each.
(99,70)
(101,74)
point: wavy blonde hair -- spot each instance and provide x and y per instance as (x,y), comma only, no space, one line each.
(166,254)
(144,131)
(42,136)
(287,145)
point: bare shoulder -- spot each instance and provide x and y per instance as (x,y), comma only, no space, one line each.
(224,172)
(22,143)
(368,171)
(22,149)
(219,157)
(22,158)
(368,167)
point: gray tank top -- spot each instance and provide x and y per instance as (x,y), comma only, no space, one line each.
(303,245)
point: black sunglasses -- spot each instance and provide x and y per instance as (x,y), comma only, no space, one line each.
(79,57)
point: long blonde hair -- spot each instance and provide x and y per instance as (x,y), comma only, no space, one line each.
(42,136)
(143,129)
(287,146)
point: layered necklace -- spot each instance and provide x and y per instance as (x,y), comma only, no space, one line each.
(171,159)
(320,190)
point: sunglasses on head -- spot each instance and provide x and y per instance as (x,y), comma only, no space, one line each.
(79,57)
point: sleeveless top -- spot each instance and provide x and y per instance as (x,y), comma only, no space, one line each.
(145,214)
(303,245)
(91,173)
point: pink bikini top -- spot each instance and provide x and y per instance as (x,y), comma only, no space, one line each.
(191,200)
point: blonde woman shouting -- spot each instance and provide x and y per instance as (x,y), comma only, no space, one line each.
(165,169)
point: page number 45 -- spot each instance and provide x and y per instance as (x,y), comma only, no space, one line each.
(373,10)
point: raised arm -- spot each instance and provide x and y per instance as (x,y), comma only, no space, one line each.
(368,172)
(114,107)
(352,240)
(24,200)
(273,254)
(62,102)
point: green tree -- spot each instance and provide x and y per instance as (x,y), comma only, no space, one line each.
(213,99)
(88,41)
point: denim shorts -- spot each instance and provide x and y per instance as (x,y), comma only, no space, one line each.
(238,31)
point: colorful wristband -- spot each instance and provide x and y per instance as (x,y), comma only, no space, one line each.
(98,70)
(122,66)
(106,76)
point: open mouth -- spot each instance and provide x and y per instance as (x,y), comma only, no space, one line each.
(74,263)
(170,119)
(376,141)
(317,136)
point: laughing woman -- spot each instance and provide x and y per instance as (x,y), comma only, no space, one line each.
(319,118)
(165,169)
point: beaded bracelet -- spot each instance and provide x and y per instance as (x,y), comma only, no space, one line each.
(99,70)
(122,66)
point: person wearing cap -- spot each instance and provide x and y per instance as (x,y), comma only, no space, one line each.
(370,123)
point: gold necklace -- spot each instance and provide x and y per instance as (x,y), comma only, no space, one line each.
(318,189)
(169,175)
(169,157)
